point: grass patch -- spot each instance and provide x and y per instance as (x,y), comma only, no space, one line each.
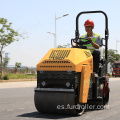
(21,76)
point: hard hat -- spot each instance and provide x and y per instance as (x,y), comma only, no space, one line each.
(89,22)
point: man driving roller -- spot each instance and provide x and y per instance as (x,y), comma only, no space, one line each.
(94,45)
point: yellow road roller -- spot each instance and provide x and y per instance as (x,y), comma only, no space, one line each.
(65,79)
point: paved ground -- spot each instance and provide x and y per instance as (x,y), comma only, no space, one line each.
(17,103)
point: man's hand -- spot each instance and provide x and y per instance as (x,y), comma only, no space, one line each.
(90,38)
(96,46)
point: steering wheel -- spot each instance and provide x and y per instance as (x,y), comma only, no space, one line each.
(82,42)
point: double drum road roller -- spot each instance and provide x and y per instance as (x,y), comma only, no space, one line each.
(65,79)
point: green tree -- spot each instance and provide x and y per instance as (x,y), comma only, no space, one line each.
(5,61)
(112,56)
(7,35)
(64,46)
(17,64)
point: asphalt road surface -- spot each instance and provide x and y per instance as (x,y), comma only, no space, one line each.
(17,103)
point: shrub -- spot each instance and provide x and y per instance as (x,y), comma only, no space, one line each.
(6,77)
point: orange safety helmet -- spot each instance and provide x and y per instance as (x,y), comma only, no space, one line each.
(89,22)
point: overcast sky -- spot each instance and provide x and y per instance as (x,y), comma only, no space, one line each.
(37,17)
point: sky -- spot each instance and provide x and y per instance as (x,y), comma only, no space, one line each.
(37,17)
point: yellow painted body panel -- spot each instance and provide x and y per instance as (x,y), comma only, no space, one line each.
(84,83)
(64,59)
(74,59)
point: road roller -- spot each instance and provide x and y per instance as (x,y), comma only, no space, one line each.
(66,82)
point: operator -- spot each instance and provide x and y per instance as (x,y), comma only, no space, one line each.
(94,45)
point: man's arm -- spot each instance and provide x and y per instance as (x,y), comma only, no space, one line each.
(95,45)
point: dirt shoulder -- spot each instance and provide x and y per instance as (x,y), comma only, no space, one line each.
(17,80)
(21,84)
